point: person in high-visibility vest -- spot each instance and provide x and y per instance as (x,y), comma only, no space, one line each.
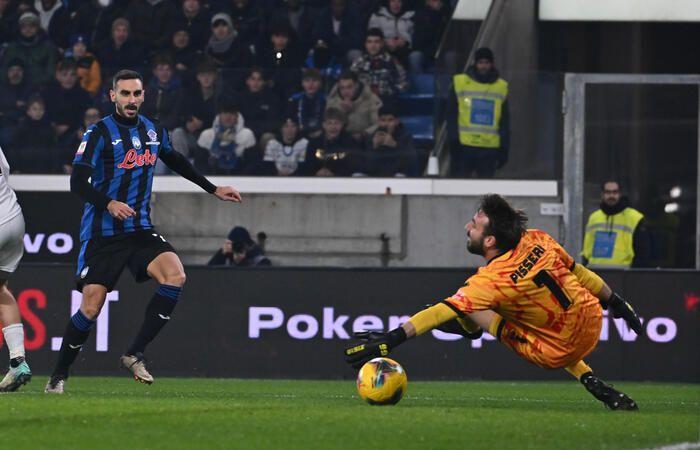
(615,235)
(478,119)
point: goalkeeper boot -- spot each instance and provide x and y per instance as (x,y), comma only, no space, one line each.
(17,376)
(55,385)
(604,392)
(136,364)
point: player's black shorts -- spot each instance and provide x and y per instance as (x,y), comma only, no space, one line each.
(102,259)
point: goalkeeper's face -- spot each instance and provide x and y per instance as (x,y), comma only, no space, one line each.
(478,241)
(128,97)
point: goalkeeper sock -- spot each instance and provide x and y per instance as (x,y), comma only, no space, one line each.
(77,332)
(157,315)
(579,369)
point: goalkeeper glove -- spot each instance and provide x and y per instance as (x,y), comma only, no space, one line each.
(374,345)
(621,309)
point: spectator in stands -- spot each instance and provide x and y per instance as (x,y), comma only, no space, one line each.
(478,119)
(228,140)
(339,29)
(389,147)
(227,51)
(239,250)
(383,73)
(32,150)
(13,98)
(91,117)
(396,22)
(357,102)
(308,106)
(94,19)
(260,107)
(150,22)
(60,21)
(281,59)
(164,99)
(194,19)
(430,23)
(286,154)
(89,71)
(201,98)
(120,52)
(184,140)
(334,152)
(8,22)
(297,15)
(33,48)
(247,19)
(184,55)
(616,235)
(66,100)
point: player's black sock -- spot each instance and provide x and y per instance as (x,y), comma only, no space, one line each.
(77,332)
(157,315)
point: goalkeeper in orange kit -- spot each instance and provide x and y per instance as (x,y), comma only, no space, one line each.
(530,295)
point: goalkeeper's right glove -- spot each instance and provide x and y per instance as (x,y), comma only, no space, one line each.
(622,309)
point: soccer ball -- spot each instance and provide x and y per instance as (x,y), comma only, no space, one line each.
(382,381)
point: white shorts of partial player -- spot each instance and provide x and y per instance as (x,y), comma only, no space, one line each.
(11,245)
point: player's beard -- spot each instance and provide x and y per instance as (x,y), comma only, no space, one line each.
(475,247)
(122,109)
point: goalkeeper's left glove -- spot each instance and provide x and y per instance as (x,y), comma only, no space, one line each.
(621,309)
(374,345)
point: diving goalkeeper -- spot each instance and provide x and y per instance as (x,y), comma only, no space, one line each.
(531,296)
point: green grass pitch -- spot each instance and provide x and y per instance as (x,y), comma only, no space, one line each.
(118,413)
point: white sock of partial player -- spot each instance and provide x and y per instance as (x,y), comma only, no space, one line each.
(14,336)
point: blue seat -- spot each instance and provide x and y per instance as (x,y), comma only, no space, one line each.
(420,127)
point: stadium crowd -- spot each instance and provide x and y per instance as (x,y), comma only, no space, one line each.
(245,87)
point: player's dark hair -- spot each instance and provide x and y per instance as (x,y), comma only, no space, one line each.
(125,75)
(506,223)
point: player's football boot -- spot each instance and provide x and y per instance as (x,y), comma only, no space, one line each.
(55,385)
(16,377)
(604,392)
(136,364)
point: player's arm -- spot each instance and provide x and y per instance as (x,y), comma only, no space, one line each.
(607,297)
(86,157)
(380,344)
(181,165)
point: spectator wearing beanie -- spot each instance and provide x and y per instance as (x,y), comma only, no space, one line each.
(89,71)
(227,51)
(239,250)
(120,52)
(33,48)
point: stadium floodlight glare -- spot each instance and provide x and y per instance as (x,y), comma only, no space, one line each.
(671,207)
(675,192)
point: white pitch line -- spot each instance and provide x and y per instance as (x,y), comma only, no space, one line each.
(679,446)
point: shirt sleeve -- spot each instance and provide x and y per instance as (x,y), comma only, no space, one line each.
(476,295)
(90,147)
(166,146)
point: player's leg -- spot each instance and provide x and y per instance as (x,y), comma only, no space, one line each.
(11,251)
(156,259)
(604,392)
(76,333)
(13,331)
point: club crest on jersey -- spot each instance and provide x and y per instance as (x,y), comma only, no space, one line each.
(133,159)
(137,143)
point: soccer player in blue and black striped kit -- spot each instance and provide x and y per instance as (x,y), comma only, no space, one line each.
(113,173)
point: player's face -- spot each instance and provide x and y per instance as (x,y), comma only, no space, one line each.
(128,97)
(611,193)
(477,241)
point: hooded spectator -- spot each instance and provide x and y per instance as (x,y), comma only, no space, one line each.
(357,101)
(227,51)
(184,55)
(89,71)
(120,52)
(33,48)
(339,29)
(239,250)
(227,140)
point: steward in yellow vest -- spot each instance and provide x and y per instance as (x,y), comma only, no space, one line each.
(478,119)
(615,235)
